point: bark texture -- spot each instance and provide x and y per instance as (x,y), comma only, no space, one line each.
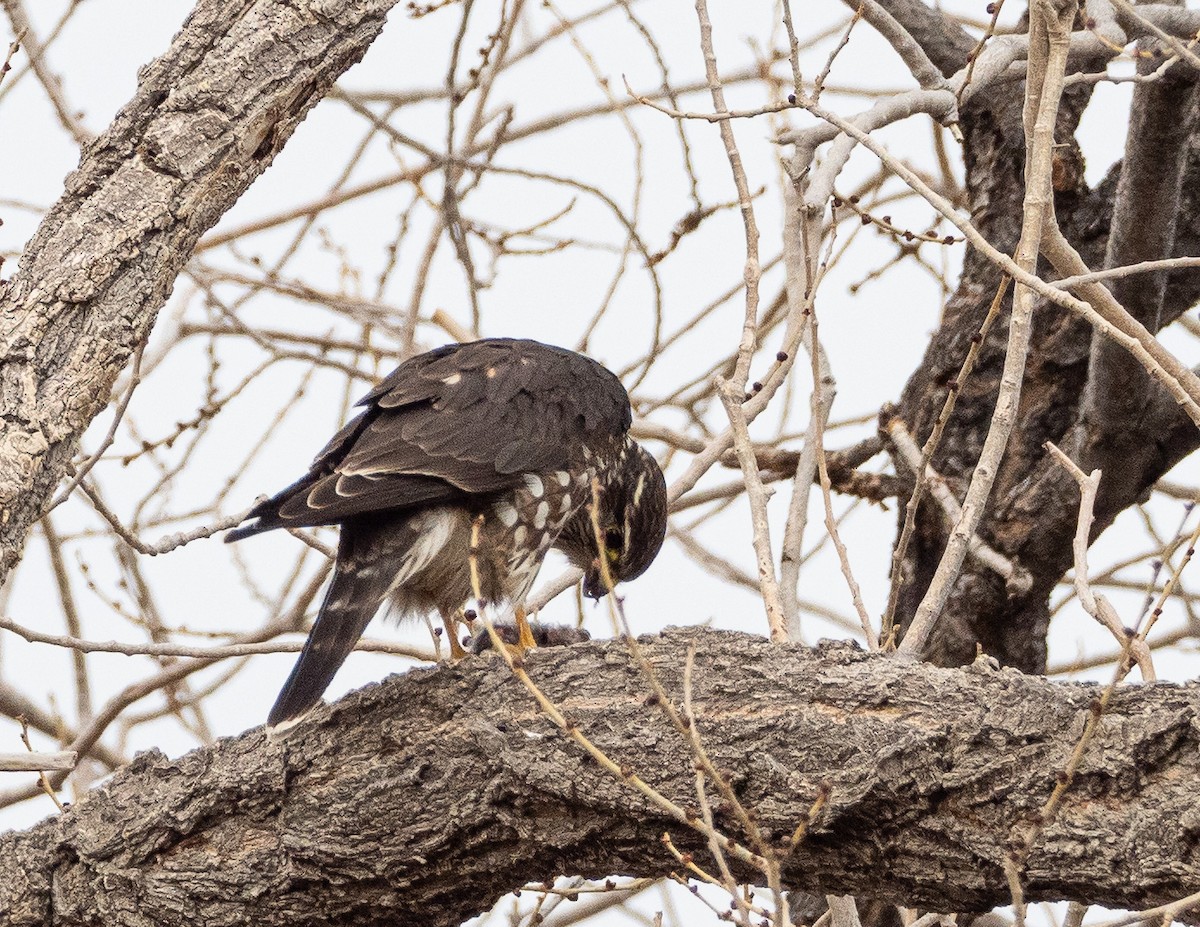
(1130,428)
(207,119)
(423,799)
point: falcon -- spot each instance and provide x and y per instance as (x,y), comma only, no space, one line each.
(467,464)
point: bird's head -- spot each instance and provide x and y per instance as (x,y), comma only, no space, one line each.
(633,523)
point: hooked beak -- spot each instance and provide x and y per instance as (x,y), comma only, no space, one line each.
(593,581)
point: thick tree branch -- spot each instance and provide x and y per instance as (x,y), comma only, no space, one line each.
(1163,118)
(945,42)
(425,798)
(207,119)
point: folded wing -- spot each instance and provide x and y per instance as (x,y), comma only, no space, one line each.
(464,420)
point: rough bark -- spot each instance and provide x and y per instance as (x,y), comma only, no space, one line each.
(207,119)
(426,797)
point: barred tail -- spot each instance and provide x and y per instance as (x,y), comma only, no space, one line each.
(350,603)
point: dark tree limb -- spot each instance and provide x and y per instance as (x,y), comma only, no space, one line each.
(423,799)
(1032,515)
(1119,391)
(207,119)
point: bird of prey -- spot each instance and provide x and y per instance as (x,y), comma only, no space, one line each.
(467,464)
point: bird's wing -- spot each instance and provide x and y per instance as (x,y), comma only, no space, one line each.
(463,420)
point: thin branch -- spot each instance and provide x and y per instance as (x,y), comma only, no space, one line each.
(1015,576)
(1049,46)
(223,652)
(38,762)
(1097,605)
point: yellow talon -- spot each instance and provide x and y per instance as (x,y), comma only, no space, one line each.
(524,633)
(450,622)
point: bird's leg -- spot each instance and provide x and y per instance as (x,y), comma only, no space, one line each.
(451,624)
(524,635)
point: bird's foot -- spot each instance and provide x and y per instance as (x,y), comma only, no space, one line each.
(456,650)
(525,637)
(544,635)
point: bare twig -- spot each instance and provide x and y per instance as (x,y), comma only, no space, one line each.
(50,83)
(37,762)
(223,652)
(899,575)
(1049,46)
(1015,576)
(1097,605)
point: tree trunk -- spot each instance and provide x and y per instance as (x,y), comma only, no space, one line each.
(1032,514)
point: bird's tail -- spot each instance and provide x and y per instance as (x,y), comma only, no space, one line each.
(351,601)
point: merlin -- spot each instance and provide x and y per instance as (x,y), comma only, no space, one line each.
(467,464)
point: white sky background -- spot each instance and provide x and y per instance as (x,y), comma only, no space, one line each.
(875,336)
